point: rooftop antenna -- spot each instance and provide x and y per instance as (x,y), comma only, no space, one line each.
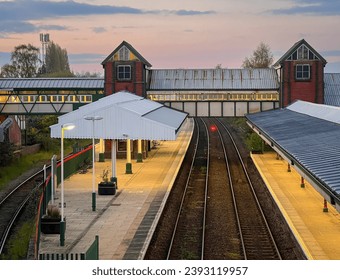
(44,39)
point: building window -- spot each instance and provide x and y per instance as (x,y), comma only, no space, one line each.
(124,72)
(303,53)
(302,72)
(124,53)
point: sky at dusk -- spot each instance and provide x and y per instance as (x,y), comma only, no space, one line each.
(172,34)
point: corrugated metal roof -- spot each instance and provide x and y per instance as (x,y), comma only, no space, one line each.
(141,107)
(162,115)
(332,89)
(321,111)
(306,136)
(230,79)
(51,83)
(123,114)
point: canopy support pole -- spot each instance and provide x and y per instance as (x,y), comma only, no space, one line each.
(114,161)
(128,157)
(139,155)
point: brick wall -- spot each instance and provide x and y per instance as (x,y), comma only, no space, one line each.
(136,85)
(310,90)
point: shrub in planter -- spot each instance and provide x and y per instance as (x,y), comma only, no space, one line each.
(105,187)
(50,223)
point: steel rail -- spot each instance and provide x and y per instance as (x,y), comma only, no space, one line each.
(18,208)
(205,192)
(231,185)
(252,189)
(183,196)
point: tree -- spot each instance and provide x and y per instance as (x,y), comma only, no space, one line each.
(24,62)
(39,131)
(88,74)
(262,57)
(8,71)
(57,60)
(6,150)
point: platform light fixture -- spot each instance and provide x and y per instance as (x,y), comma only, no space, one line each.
(93,119)
(67,126)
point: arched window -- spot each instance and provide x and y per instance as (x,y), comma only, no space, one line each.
(124,53)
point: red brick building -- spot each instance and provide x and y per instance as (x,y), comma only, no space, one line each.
(125,69)
(301,75)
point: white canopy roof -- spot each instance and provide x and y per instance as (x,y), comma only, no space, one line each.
(124,115)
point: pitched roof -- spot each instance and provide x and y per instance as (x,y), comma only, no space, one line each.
(332,89)
(51,83)
(214,79)
(308,135)
(132,49)
(294,48)
(124,115)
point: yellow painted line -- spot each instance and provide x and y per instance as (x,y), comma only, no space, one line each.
(283,211)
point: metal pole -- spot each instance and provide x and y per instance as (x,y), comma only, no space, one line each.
(93,170)
(44,172)
(52,180)
(139,155)
(68,126)
(94,118)
(128,157)
(62,222)
(113,161)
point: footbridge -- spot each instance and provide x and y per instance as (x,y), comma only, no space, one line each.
(24,96)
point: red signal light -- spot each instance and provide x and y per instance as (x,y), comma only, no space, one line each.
(213,128)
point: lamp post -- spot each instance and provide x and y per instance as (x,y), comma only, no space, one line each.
(93,119)
(67,126)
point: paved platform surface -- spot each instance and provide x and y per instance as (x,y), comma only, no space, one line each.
(124,222)
(318,232)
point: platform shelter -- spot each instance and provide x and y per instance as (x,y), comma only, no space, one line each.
(122,116)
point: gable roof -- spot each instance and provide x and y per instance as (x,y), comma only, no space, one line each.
(214,79)
(294,48)
(51,83)
(124,115)
(332,89)
(132,49)
(308,135)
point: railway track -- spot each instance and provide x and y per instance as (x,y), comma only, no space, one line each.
(255,234)
(187,240)
(218,216)
(14,202)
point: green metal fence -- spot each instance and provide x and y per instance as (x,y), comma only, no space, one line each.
(72,164)
(91,254)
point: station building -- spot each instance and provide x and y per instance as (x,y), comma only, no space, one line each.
(297,75)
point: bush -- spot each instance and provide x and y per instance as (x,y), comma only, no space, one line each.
(254,142)
(6,153)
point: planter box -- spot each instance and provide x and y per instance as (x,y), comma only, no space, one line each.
(108,188)
(50,225)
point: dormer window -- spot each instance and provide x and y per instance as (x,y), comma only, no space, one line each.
(302,72)
(124,72)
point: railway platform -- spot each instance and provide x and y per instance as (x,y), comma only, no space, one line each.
(124,222)
(317,231)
